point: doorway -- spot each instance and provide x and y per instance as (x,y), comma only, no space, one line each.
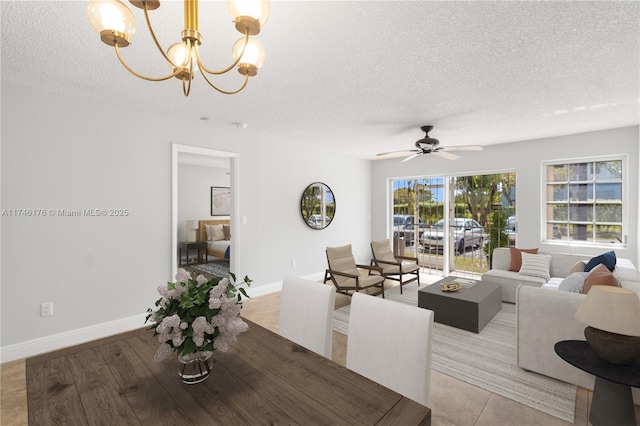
(194,158)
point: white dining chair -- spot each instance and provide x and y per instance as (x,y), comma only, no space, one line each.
(306,314)
(390,343)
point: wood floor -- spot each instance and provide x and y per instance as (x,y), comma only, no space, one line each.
(453,402)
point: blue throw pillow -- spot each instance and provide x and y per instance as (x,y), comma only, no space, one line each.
(608,259)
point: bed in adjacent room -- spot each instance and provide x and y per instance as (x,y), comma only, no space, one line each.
(217,234)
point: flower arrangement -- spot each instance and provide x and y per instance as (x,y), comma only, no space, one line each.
(197,315)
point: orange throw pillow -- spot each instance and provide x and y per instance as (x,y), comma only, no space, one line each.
(516,257)
(599,275)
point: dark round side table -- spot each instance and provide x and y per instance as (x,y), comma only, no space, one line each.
(612,402)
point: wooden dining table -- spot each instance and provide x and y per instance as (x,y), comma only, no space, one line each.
(262,379)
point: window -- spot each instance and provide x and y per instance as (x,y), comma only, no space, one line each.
(584,201)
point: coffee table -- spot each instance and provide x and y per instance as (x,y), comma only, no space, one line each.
(468,308)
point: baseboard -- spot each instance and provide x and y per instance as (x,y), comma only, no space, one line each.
(70,338)
(263,290)
(98,331)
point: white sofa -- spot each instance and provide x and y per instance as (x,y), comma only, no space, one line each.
(545,316)
(560,267)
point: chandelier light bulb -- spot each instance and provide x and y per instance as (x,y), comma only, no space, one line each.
(253,57)
(112,20)
(177,53)
(249,15)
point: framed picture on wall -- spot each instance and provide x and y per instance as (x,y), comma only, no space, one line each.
(220,201)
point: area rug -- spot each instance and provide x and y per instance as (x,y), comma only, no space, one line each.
(217,268)
(486,360)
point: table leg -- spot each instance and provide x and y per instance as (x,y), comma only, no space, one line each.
(612,404)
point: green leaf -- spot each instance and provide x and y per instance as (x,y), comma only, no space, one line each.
(244,292)
(188,346)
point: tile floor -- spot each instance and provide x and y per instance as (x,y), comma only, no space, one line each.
(453,402)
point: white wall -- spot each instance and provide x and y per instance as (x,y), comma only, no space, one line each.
(194,193)
(101,273)
(525,158)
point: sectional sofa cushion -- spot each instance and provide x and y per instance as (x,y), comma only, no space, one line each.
(600,275)
(535,265)
(608,259)
(574,283)
(516,257)
(578,267)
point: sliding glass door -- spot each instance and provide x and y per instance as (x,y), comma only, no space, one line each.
(453,223)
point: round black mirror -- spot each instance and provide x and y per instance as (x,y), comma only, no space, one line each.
(317,206)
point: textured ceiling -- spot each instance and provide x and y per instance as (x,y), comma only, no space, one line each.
(361,76)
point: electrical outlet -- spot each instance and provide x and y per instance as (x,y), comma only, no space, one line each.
(293,264)
(46,309)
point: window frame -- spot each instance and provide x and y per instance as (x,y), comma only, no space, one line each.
(546,193)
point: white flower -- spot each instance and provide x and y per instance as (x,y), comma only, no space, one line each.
(214,303)
(201,280)
(163,352)
(220,345)
(218,320)
(182,276)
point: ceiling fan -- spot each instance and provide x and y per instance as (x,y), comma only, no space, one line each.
(429,145)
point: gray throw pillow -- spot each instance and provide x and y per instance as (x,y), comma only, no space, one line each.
(574,282)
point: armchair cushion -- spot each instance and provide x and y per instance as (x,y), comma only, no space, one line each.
(341,259)
(348,276)
(395,267)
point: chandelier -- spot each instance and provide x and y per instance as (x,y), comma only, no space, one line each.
(116,25)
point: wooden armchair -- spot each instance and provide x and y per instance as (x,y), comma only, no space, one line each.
(347,276)
(394,267)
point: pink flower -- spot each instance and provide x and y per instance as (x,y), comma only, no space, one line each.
(201,280)
(163,352)
(182,276)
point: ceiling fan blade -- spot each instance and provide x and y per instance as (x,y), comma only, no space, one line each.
(411,157)
(446,155)
(396,152)
(463,148)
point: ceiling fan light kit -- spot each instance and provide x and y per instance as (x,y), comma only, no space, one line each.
(116,25)
(429,145)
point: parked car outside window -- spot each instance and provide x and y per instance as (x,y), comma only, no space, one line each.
(511,230)
(467,233)
(315,221)
(403,226)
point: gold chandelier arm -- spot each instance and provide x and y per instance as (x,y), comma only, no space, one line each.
(230,67)
(173,74)
(153,36)
(204,75)
(186,86)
